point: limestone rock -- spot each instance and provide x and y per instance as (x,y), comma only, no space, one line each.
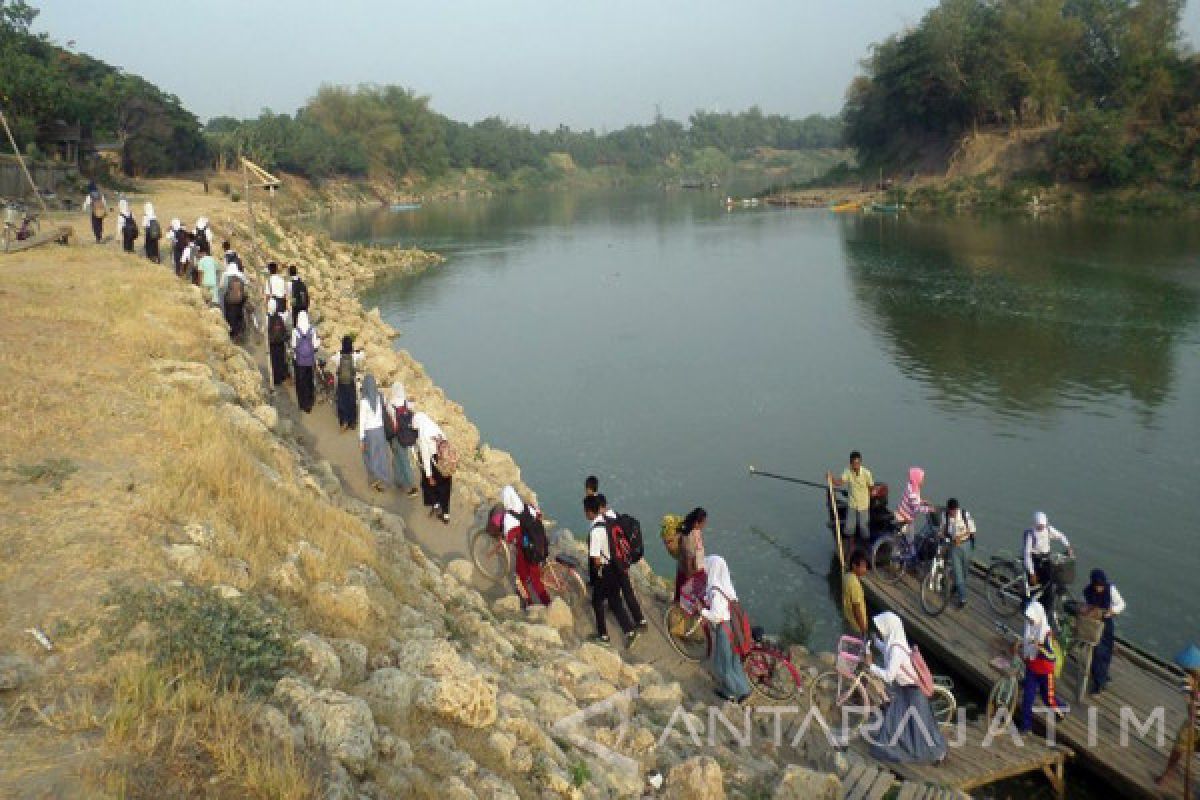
(334,721)
(461,570)
(267,415)
(559,616)
(227,592)
(353,656)
(286,578)
(348,603)
(187,559)
(245,422)
(320,661)
(470,702)
(507,606)
(698,778)
(661,697)
(603,659)
(389,693)
(439,754)
(799,783)
(14,671)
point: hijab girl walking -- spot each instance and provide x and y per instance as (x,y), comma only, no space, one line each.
(304,345)
(126,225)
(277,341)
(726,666)
(436,486)
(377,456)
(153,232)
(402,416)
(689,569)
(344,367)
(908,733)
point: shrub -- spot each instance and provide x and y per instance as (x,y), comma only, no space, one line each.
(238,641)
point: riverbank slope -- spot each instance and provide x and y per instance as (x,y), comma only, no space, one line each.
(227,611)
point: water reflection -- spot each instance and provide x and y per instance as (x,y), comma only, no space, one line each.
(995,312)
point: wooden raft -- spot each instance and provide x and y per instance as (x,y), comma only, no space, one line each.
(964,642)
(866,780)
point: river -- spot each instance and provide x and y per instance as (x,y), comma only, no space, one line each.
(665,345)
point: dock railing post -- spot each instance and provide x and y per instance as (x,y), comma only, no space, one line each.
(837,523)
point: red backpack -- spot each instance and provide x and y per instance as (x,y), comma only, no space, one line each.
(920,673)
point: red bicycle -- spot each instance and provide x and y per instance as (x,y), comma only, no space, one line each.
(769,669)
(494,558)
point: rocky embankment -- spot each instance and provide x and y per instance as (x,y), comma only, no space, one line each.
(367,667)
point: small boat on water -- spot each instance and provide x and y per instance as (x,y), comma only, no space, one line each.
(846,208)
(398,207)
(886,208)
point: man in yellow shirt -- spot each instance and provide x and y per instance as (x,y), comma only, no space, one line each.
(854,603)
(858,483)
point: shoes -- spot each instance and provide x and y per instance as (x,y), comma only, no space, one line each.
(445,519)
(643,624)
(412,492)
(962,604)
(631,637)
(600,639)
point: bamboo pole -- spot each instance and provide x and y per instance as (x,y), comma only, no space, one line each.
(837,523)
(21,160)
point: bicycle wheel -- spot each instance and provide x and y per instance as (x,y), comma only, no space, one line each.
(844,709)
(1003,696)
(1005,587)
(887,559)
(943,705)
(490,555)
(771,675)
(685,632)
(564,582)
(935,589)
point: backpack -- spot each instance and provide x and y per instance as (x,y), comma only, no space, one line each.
(620,546)
(276,330)
(127,224)
(406,434)
(920,673)
(447,457)
(633,532)
(299,295)
(345,370)
(98,209)
(741,634)
(305,352)
(154,230)
(534,546)
(235,290)
(669,531)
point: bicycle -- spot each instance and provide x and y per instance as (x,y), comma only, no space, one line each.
(852,693)
(1008,590)
(893,554)
(1007,689)
(20,224)
(768,668)
(494,558)
(326,382)
(938,580)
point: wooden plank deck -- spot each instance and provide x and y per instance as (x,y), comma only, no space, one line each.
(966,641)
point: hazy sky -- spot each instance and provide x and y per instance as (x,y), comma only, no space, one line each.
(600,64)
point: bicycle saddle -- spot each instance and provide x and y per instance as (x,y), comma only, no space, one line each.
(567,560)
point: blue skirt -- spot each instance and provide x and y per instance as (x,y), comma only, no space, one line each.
(377,457)
(402,467)
(726,667)
(909,734)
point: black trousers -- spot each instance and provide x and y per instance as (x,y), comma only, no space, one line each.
(439,493)
(128,238)
(97,227)
(626,588)
(606,588)
(152,250)
(235,315)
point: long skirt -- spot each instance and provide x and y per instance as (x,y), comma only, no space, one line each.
(347,404)
(1102,656)
(438,495)
(305,388)
(402,468)
(235,316)
(279,363)
(908,734)
(377,456)
(152,250)
(727,667)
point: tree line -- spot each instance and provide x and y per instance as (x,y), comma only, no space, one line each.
(392,131)
(1111,75)
(42,84)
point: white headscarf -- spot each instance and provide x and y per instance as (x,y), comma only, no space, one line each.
(176,224)
(398,398)
(271,306)
(1040,519)
(123,207)
(891,628)
(427,432)
(1037,627)
(512,500)
(718,579)
(231,268)
(302,323)
(202,222)
(148,210)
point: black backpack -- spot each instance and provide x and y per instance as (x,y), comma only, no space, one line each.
(154,230)
(534,545)
(345,370)
(276,330)
(625,540)
(299,295)
(235,290)
(406,434)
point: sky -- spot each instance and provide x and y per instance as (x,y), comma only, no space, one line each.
(599,64)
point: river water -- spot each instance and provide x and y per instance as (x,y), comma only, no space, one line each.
(665,344)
